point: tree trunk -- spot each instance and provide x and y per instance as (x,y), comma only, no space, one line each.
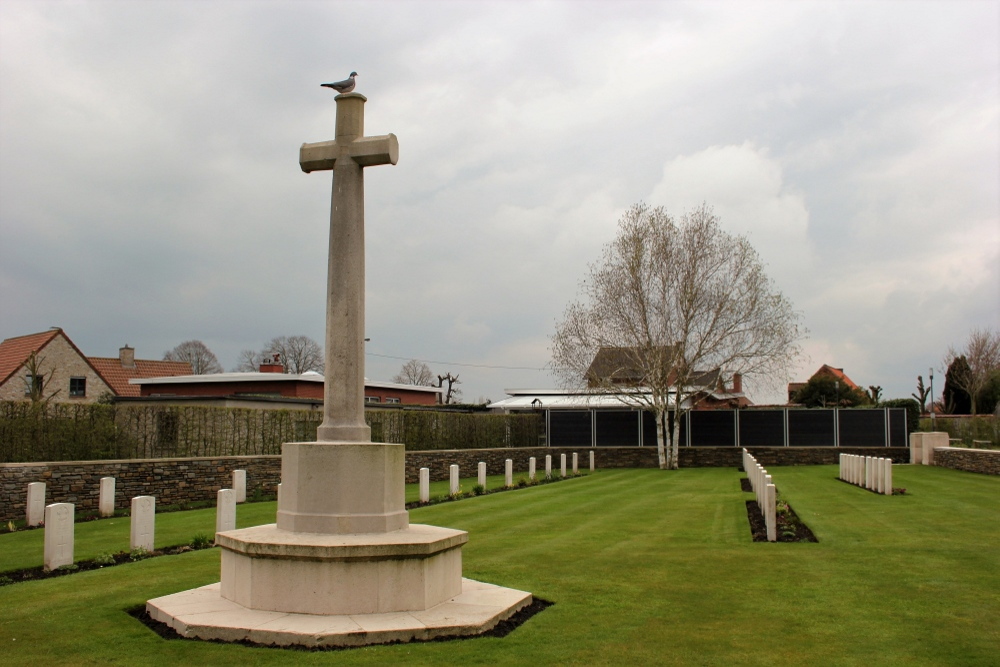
(675,440)
(661,437)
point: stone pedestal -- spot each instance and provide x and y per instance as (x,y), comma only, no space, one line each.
(406,570)
(323,492)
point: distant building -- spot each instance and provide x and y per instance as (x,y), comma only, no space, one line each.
(271,387)
(69,376)
(825,370)
(612,418)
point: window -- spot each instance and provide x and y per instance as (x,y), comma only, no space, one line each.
(392,399)
(33,382)
(78,387)
(372,399)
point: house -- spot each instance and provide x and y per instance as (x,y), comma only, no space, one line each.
(65,374)
(825,370)
(270,387)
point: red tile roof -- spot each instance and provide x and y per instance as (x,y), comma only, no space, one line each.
(15,351)
(837,373)
(117,376)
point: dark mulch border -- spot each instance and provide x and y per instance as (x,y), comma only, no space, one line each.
(896,490)
(501,629)
(790,526)
(120,558)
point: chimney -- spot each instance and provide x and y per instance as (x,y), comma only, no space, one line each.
(737,383)
(126,355)
(272,364)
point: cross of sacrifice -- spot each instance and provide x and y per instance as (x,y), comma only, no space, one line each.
(347,155)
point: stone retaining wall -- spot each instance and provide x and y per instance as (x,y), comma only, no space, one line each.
(986,461)
(180,480)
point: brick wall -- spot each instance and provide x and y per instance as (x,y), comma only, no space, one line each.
(179,480)
(986,461)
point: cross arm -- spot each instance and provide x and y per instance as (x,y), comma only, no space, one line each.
(366,151)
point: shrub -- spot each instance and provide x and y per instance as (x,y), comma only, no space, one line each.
(201,541)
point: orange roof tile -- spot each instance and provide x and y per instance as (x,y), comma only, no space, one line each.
(117,376)
(837,373)
(15,351)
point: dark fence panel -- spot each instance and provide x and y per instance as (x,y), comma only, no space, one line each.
(898,428)
(811,428)
(712,428)
(762,428)
(617,428)
(570,428)
(648,429)
(861,428)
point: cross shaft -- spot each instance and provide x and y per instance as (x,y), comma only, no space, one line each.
(347,155)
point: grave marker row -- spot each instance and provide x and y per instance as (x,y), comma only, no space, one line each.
(35,507)
(765,491)
(869,472)
(59,530)
(453,474)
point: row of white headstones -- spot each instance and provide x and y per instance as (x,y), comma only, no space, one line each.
(765,491)
(58,518)
(453,474)
(869,472)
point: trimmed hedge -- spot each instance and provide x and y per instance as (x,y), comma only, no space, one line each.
(68,432)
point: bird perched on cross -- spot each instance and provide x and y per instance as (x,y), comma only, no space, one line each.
(345,86)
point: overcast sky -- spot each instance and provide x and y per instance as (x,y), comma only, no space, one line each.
(150,191)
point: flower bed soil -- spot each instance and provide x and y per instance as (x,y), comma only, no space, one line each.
(120,558)
(790,527)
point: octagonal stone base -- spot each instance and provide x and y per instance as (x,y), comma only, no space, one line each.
(202,613)
(271,569)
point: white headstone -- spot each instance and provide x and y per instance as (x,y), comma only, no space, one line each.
(425,485)
(35,510)
(278,491)
(879,474)
(887,484)
(106,499)
(770,512)
(240,485)
(225,510)
(562,465)
(453,479)
(531,468)
(591,461)
(508,473)
(576,464)
(482,474)
(869,469)
(143,522)
(548,466)
(58,535)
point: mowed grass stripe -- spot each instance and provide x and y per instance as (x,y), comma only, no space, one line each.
(635,579)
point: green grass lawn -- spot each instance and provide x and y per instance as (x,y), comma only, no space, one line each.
(644,566)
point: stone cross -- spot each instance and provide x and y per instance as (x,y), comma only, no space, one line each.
(347,155)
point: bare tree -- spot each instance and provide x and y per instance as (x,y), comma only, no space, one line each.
(248,361)
(299,354)
(982,353)
(415,372)
(675,299)
(451,394)
(922,394)
(37,384)
(196,353)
